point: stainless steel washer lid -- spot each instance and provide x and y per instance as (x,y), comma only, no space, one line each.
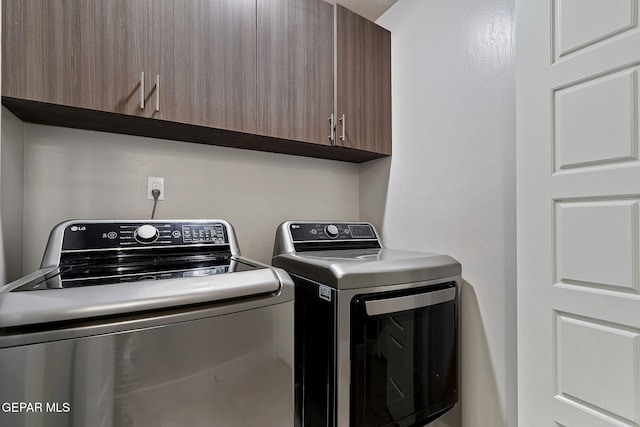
(55,305)
(100,268)
(351,269)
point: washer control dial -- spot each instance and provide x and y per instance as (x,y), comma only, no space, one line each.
(331,231)
(146,234)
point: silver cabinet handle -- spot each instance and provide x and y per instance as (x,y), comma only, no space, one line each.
(409,302)
(142,90)
(332,130)
(157,92)
(342,119)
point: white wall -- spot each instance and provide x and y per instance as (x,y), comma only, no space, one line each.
(73,173)
(451,179)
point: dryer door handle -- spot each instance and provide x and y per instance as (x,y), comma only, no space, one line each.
(409,302)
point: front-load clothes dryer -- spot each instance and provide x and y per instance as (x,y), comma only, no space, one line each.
(147,323)
(376,329)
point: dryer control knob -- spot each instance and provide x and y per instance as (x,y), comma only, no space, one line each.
(146,234)
(332,231)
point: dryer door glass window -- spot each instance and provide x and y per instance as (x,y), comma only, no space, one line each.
(403,363)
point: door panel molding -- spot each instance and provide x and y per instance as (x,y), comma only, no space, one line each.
(596,244)
(575,30)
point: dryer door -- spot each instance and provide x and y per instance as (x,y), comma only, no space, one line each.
(404,356)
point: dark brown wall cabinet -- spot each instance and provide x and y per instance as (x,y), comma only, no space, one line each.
(87,54)
(204,52)
(188,61)
(241,73)
(296,76)
(295,69)
(363,83)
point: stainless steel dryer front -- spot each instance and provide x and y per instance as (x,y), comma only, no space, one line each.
(376,329)
(147,323)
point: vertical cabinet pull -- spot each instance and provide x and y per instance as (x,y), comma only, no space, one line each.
(332,130)
(157,92)
(142,90)
(342,120)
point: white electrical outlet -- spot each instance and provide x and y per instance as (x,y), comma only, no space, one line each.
(155,182)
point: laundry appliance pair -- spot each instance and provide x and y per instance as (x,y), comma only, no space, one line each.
(164,322)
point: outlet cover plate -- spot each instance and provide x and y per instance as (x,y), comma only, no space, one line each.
(155,182)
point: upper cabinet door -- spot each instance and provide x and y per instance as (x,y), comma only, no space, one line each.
(363,82)
(295,69)
(87,54)
(203,53)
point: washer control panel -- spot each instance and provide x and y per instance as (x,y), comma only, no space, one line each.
(108,235)
(327,231)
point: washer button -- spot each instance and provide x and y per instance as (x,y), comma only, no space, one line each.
(146,234)
(332,231)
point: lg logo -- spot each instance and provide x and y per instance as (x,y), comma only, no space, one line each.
(78,228)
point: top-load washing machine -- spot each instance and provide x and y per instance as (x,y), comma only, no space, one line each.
(376,329)
(147,323)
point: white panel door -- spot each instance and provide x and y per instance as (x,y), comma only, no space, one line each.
(578,186)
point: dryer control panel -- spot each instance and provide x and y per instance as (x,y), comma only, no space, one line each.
(327,231)
(333,233)
(302,236)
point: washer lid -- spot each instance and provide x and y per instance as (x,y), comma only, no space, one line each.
(50,305)
(351,269)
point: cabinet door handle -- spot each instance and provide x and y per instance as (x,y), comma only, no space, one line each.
(342,119)
(332,130)
(142,90)
(157,92)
